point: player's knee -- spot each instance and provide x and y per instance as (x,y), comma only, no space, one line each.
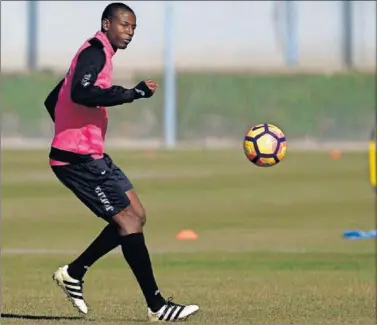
(128,221)
(139,210)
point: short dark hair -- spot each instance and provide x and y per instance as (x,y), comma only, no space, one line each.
(110,10)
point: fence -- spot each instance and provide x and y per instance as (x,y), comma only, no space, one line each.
(232,63)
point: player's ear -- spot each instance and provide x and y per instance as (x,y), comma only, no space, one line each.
(105,25)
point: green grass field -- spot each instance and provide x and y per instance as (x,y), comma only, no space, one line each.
(270,247)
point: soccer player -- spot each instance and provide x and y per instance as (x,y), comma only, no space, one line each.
(78,107)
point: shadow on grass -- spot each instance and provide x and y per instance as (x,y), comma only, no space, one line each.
(38,317)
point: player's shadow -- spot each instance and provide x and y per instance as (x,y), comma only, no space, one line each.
(39,317)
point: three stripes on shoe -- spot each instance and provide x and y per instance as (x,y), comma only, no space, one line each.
(74,289)
(171,312)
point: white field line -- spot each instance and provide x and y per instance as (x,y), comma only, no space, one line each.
(28,251)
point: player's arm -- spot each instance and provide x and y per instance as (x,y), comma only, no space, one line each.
(52,99)
(83,90)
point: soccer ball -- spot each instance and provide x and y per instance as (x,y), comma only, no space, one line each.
(265,145)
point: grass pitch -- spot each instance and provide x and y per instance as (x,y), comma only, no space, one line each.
(270,247)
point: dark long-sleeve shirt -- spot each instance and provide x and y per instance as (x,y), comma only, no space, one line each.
(83,91)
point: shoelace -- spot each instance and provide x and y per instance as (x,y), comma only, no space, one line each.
(170,302)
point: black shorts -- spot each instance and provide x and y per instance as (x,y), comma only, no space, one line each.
(99,184)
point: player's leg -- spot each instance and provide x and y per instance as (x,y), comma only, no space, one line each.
(137,256)
(128,188)
(70,276)
(106,241)
(131,221)
(84,180)
(109,238)
(109,201)
(137,205)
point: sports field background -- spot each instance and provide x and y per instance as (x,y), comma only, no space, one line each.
(270,246)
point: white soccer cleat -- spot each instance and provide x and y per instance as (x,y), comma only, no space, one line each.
(172,312)
(71,287)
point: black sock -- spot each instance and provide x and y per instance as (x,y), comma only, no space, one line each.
(106,241)
(136,254)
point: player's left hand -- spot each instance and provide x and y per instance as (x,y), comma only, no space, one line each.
(145,89)
(152,85)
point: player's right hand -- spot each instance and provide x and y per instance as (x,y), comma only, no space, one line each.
(145,89)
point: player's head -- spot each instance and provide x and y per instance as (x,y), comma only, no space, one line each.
(118,22)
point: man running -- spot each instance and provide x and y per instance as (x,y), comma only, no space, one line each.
(78,107)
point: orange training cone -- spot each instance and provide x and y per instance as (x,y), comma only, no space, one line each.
(150,154)
(335,154)
(187,234)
